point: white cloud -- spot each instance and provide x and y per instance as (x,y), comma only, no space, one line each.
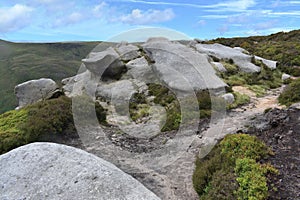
(73,18)
(232,5)
(139,17)
(100,9)
(14,18)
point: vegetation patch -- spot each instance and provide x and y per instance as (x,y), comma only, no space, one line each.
(240,100)
(232,170)
(291,93)
(259,90)
(167,99)
(40,122)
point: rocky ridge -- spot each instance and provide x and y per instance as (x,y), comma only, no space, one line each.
(164,163)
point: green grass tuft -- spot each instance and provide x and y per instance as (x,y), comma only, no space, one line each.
(232,171)
(291,93)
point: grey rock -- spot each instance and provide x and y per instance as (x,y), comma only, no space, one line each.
(181,68)
(285,76)
(35,90)
(243,61)
(269,63)
(83,83)
(53,171)
(139,69)
(127,52)
(229,98)
(219,66)
(107,63)
(242,50)
(118,92)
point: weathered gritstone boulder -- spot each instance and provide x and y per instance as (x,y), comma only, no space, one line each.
(127,51)
(139,69)
(269,63)
(53,171)
(107,64)
(82,83)
(243,61)
(36,90)
(219,66)
(285,76)
(180,67)
(118,92)
(229,98)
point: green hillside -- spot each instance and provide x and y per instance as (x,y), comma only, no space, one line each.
(20,62)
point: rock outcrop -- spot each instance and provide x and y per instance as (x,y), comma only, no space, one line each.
(181,68)
(36,90)
(242,60)
(53,171)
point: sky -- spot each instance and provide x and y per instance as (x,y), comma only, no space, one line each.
(97,20)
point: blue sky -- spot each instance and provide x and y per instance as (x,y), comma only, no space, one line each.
(58,20)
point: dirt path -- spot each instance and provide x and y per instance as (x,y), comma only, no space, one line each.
(165,163)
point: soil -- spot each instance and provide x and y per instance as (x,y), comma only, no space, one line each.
(280,130)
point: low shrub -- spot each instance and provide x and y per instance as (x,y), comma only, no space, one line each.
(240,99)
(41,121)
(291,93)
(232,171)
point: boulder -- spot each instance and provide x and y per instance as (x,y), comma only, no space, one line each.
(54,171)
(242,50)
(243,61)
(285,76)
(140,70)
(127,52)
(219,66)
(82,83)
(180,67)
(118,92)
(36,90)
(107,64)
(229,98)
(269,63)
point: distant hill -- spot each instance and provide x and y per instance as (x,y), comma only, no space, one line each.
(20,62)
(283,47)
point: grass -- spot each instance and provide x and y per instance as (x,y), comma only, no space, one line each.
(40,122)
(291,93)
(20,62)
(240,100)
(232,170)
(259,90)
(257,82)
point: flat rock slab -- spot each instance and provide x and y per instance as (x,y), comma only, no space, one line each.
(35,90)
(243,61)
(181,68)
(53,171)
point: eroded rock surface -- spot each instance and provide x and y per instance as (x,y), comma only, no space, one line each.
(35,90)
(52,171)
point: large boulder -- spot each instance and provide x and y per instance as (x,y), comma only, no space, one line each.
(107,64)
(127,52)
(139,69)
(181,68)
(242,60)
(36,90)
(53,171)
(271,64)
